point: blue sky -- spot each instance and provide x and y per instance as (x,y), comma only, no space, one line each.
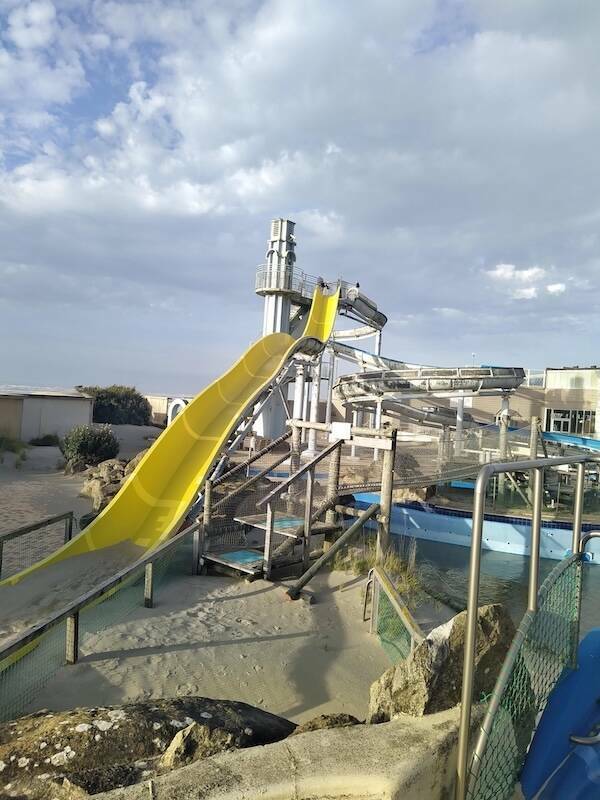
(444,154)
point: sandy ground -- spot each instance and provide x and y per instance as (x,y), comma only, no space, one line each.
(228,639)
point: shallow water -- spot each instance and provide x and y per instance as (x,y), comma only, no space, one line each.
(504,578)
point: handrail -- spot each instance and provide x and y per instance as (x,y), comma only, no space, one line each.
(537,465)
(586,538)
(294,591)
(400,607)
(34,526)
(246,485)
(308,466)
(259,454)
(21,639)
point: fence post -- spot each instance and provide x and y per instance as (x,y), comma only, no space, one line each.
(69,527)
(310,482)
(533,449)
(207,506)
(333,480)
(72,639)
(197,549)
(536,527)
(268,537)
(578,507)
(387,486)
(149,585)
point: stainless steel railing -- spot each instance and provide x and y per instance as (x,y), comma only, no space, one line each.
(537,466)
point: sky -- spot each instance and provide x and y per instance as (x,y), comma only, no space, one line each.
(443,154)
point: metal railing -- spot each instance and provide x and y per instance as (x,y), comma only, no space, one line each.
(71,612)
(391,620)
(67,516)
(537,466)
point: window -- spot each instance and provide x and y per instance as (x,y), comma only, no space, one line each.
(562,420)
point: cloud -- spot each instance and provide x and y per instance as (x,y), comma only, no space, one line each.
(145,146)
(556,288)
(508,272)
(527,293)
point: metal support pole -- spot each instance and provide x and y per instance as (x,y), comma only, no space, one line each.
(378,412)
(268,538)
(310,483)
(533,448)
(333,480)
(578,508)
(354,424)
(298,391)
(149,585)
(503,442)
(387,486)
(197,550)
(330,384)
(470,636)
(460,412)
(536,528)
(314,406)
(72,640)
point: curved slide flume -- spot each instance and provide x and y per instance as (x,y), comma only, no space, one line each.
(156,498)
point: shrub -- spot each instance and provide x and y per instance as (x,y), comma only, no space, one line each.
(119,405)
(89,444)
(47,440)
(10,445)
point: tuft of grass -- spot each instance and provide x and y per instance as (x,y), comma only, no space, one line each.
(399,563)
(10,445)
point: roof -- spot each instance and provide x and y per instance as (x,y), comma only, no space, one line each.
(11,390)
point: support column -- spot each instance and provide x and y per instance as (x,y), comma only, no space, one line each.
(460,413)
(314,407)
(387,486)
(503,440)
(330,385)
(533,450)
(354,425)
(378,415)
(299,391)
(304,415)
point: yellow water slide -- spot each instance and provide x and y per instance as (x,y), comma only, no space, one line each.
(159,492)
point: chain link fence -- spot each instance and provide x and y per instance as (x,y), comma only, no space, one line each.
(544,646)
(24,673)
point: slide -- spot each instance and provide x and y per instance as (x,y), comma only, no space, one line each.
(154,501)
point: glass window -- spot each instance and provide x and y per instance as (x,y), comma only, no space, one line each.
(563,420)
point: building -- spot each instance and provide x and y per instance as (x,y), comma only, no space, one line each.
(565,399)
(27,413)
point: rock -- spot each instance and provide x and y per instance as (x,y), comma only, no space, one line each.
(430,679)
(327,721)
(99,749)
(413,494)
(74,465)
(135,461)
(111,468)
(199,741)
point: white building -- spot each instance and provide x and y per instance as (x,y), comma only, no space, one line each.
(27,413)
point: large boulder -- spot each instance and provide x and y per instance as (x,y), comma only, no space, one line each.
(134,462)
(430,679)
(98,749)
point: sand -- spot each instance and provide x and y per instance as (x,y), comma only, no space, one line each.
(52,588)
(228,639)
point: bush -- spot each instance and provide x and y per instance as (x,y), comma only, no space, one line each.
(10,445)
(89,445)
(47,440)
(119,405)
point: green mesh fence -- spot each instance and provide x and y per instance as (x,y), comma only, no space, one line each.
(393,634)
(544,646)
(24,674)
